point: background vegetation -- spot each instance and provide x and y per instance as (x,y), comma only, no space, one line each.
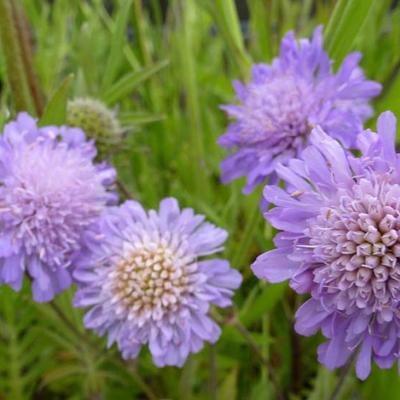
(166,66)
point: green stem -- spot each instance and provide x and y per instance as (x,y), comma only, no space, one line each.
(344,374)
(248,234)
(186,12)
(213,373)
(234,321)
(258,352)
(123,189)
(13,59)
(24,37)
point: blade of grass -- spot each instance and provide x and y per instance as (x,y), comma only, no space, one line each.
(130,81)
(344,25)
(139,118)
(225,15)
(334,21)
(261,32)
(118,38)
(186,12)
(56,108)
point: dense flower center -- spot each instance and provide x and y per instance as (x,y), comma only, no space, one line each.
(49,196)
(280,107)
(357,242)
(153,279)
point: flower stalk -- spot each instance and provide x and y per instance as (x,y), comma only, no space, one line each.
(16,74)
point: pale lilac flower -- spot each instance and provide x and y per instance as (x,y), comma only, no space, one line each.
(278,108)
(50,193)
(148,282)
(340,242)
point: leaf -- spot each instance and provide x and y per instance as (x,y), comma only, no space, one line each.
(344,25)
(262,390)
(23,356)
(130,81)
(228,388)
(263,303)
(117,41)
(261,32)
(139,118)
(56,108)
(225,15)
(323,385)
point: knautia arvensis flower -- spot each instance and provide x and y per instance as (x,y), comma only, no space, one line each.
(340,218)
(97,121)
(50,193)
(148,282)
(278,108)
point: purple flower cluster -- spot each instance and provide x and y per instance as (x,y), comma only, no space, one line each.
(340,242)
(282,103)
(147,283)
(144,274)
(148,276)
(50,193)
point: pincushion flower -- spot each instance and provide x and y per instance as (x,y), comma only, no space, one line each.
(340,242)
(148,282)
(278,108)
(50,193)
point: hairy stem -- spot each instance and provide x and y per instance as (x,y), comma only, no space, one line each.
(24,37)
(13,59)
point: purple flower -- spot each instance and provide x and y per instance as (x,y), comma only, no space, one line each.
(282,103)
(148,283)
(340,242)
(50,193)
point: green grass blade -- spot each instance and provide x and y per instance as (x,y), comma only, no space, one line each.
(56,108)
(130,81)
(225,15)
(139,118)
(117,41)
(344,26)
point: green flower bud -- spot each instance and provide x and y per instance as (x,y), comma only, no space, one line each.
(97,121)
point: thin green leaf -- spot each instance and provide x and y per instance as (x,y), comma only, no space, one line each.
(263,303)
(225,15)
(116,49)
(139,118)
(56,108)
(344,25)
(130,81)
(228,388)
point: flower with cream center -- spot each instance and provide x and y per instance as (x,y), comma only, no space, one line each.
(148,282)
(153,279)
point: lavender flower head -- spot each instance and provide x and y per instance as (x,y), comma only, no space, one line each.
(148,283)
(50,193)
(340,242)
(282,103)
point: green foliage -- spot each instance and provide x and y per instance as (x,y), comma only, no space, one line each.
(166,69)
(347,20)
(23,358)
(56,108)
